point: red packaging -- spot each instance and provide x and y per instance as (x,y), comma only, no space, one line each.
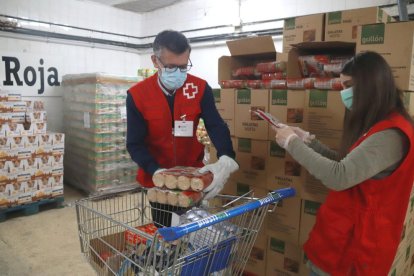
(274,76)
(274,84)
(328,83)
(300,83)
(238,84)
(313,65)
(255,84)
(271,67)
(132,239)
(245,71)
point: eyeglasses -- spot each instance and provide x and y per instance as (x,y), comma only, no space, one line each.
(172,68)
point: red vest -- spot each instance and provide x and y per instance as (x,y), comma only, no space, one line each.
(168,150)
(358,230)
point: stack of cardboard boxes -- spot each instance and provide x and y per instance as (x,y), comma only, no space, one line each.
(263,164)
(31,159)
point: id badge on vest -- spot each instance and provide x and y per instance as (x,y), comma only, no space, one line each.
(183,128)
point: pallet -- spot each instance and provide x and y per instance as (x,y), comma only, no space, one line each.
(31,208)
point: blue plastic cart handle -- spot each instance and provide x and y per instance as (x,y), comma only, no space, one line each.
(176,232)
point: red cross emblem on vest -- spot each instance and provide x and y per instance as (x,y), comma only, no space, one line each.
(190,90)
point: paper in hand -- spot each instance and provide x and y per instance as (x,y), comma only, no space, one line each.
(269,118)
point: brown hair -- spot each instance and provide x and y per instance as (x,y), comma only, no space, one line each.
(375,96)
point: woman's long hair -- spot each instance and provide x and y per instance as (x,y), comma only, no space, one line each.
(375,96)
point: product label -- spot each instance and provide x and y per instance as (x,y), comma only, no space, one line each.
(244,96)
(290,24)
(276,150)
(217,95)
(279,97)
(277,245)
(373,34)
(318,98)
(244,145)
(334,17)
(242,188)
(311,207)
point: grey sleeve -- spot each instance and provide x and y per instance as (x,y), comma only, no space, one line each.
(324,150)
(374,155)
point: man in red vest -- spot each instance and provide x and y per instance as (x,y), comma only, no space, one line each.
(163,112)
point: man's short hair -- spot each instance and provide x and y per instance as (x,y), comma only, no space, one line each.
(171,40)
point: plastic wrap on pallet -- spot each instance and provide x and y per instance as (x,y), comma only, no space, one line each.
(95,124)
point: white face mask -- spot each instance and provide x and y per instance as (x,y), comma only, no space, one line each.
(346,96)
(172,80)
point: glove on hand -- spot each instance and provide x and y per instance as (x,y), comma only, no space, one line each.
(284,136)
(305,136)
(221,171)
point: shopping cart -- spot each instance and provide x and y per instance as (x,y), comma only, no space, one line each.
(118,238)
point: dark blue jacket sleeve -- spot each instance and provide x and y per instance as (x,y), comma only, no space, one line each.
(136,133)
(217,129)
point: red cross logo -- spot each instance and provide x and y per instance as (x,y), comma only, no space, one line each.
(190,90)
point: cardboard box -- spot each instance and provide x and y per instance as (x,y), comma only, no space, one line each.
(284,221)
(36,117)
(252,158)
(324,116)
(313,189)
(308,213)
(283,258)
(212,152)
(343,25)
(246,52)
(382,39)
(342,49)
(257,262)
(288,107)
(225,103)
(303,29)
(7,96)
(237,188)
(248,124)
(12,106)
(409,102)
(303,268)
(283,171)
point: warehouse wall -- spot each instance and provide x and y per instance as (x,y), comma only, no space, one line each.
(197,14)
(66,58)
(208,16)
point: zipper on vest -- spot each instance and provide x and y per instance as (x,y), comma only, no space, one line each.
(174,149)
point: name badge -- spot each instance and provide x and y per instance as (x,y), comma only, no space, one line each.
(183,128)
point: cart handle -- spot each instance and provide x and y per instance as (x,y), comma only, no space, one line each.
(176,232)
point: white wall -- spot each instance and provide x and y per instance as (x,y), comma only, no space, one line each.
(67,58)
(183,16)
(195,14)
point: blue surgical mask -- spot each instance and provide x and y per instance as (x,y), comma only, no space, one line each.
(172,80)
(346,96)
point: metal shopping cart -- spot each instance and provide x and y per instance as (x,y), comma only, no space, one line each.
(118,237)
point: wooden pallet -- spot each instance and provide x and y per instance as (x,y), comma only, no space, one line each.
(30,208)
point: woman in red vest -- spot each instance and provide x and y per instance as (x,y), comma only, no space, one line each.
(358,228)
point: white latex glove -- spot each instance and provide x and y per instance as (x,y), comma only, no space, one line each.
(221,171)
(305,136)
(284,135)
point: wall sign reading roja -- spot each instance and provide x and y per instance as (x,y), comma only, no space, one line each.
(15,74)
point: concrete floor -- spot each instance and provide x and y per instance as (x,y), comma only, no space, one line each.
(45,243)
